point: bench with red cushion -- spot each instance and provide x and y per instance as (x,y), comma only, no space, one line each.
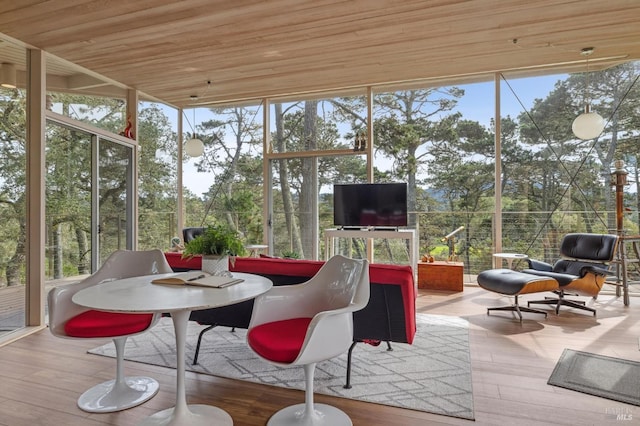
(390,315)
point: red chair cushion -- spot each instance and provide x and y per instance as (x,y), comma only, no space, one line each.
(279,341)
(106,324)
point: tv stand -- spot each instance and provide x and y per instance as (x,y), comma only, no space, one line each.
(369,234)
(366,228)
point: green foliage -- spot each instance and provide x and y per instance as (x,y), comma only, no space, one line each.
(290,254)
(217,240)
(447,159)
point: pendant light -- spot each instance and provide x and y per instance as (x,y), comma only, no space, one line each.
(589,124)
(194,147)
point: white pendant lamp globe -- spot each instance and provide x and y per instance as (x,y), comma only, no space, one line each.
(589,124)
(194,147)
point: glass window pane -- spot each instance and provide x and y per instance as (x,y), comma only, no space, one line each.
(157,176)
(12,209)
(440,141)
(85,97)
(294,215)
(318,124)
(225,183)
(68,202)
(115,163)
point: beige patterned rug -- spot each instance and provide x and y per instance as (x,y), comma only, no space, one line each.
(433,374)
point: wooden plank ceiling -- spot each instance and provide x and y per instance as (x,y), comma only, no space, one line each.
(247,49)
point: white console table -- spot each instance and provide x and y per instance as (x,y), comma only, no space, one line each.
(404,234)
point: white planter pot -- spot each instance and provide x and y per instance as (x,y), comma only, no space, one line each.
(216,265)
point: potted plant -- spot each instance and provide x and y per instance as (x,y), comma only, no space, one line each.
(290,254)
(218,244)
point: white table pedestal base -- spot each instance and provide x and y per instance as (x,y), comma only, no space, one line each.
(107,397)
(183,414)
(195,415)
(325,415)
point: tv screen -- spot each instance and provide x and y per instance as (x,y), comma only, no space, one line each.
(370,205)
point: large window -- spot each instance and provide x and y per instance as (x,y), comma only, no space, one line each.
(114,198)
(553,182)
(68,202)
(157,176)
(86,98)
(318,124)
(12,205)
(89,198)
(224,185)
(441,141)
(332,133)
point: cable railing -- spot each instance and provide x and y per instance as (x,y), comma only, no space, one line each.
(536,234)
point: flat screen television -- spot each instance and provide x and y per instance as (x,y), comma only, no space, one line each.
(378,205)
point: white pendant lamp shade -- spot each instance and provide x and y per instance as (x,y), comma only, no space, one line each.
(8,76)
(194,147)
(588,125)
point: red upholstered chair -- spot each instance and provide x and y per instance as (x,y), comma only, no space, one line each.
(306,323)
(68,320)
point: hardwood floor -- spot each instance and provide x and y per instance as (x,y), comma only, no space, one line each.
(42,375)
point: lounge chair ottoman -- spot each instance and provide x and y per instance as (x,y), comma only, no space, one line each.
(514,283)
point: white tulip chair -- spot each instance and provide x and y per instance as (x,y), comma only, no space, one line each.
(69,320)
(308,323)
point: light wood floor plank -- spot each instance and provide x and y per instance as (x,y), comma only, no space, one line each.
(42,376)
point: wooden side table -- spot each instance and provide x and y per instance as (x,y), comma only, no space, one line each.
(441,275)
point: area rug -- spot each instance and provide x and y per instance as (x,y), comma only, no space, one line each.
(599,375)
(433,374)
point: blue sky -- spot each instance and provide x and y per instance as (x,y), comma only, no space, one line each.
(478,101)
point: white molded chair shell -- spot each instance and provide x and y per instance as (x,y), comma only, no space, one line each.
(121,264)
(121,392)
(340,288)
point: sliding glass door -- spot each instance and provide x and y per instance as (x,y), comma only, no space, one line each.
(115,177)
(68,202)
(89,186)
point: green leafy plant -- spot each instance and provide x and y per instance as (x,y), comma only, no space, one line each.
(217,240)
(290,254)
